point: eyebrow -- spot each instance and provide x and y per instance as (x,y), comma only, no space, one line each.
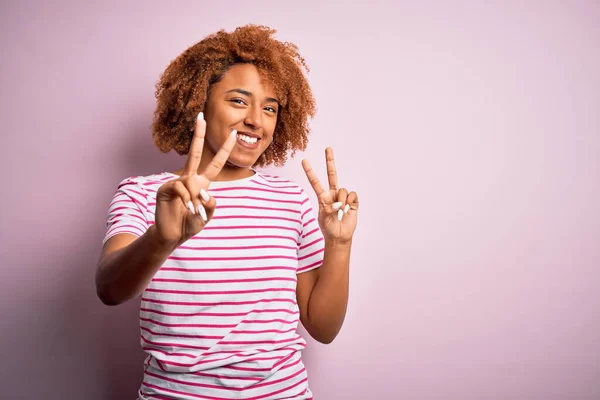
(249,94)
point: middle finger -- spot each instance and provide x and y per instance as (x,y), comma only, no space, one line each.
(219,160)
(331,171)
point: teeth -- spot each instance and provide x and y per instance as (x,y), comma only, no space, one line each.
(247,139)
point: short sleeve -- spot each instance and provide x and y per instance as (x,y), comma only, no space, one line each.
(311,244)
(127,210)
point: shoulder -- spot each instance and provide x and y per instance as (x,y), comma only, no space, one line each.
(147,180)
(144,185)
(280,184)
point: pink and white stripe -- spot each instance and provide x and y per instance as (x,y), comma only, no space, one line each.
(219,319)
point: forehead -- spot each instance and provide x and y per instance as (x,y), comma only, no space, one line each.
(245,76)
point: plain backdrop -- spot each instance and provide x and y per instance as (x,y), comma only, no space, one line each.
(470,130)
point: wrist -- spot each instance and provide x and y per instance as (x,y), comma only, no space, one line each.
(342,244)
(159,243)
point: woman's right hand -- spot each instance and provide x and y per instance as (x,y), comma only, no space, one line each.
(183,205)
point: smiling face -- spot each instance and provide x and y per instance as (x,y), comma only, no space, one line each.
(241,100)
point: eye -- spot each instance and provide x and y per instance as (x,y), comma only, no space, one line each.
(238,101)
(271,109)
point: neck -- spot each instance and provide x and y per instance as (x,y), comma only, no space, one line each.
(229,172)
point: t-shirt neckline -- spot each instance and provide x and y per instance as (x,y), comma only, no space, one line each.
(233,182)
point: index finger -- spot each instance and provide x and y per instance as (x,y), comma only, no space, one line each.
(312,177)
(331,171)
(195,154)
(219,160)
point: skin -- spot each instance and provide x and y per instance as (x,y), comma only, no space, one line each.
(241,101)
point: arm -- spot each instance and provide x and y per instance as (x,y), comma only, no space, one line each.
(127,265)
(322,293)
(183,207)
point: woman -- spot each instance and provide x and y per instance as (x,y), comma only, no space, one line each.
(228,260)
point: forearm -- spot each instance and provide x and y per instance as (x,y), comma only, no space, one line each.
(125,273)
(329,299)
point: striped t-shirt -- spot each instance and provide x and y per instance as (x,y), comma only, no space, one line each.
(219,319)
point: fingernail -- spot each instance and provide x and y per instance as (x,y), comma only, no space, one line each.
(202,212)
(346,208)
(200,115)
(340,215)
(233,132)
(191,206)
(337,205)
(204,195)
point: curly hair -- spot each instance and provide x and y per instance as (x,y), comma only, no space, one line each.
(184,87)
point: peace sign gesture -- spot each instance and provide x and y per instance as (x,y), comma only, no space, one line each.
(183,206)
(338,209)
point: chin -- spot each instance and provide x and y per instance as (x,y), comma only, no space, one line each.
(242,162)
(246,159)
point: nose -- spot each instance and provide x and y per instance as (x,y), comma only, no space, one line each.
(253,117)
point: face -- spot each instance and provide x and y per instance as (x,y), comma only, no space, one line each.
(241,101)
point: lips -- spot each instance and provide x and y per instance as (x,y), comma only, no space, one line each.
(249,134)
(248,140)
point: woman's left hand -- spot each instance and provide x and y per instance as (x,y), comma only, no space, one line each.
(338,209)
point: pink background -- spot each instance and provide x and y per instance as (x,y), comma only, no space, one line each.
(471,132)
